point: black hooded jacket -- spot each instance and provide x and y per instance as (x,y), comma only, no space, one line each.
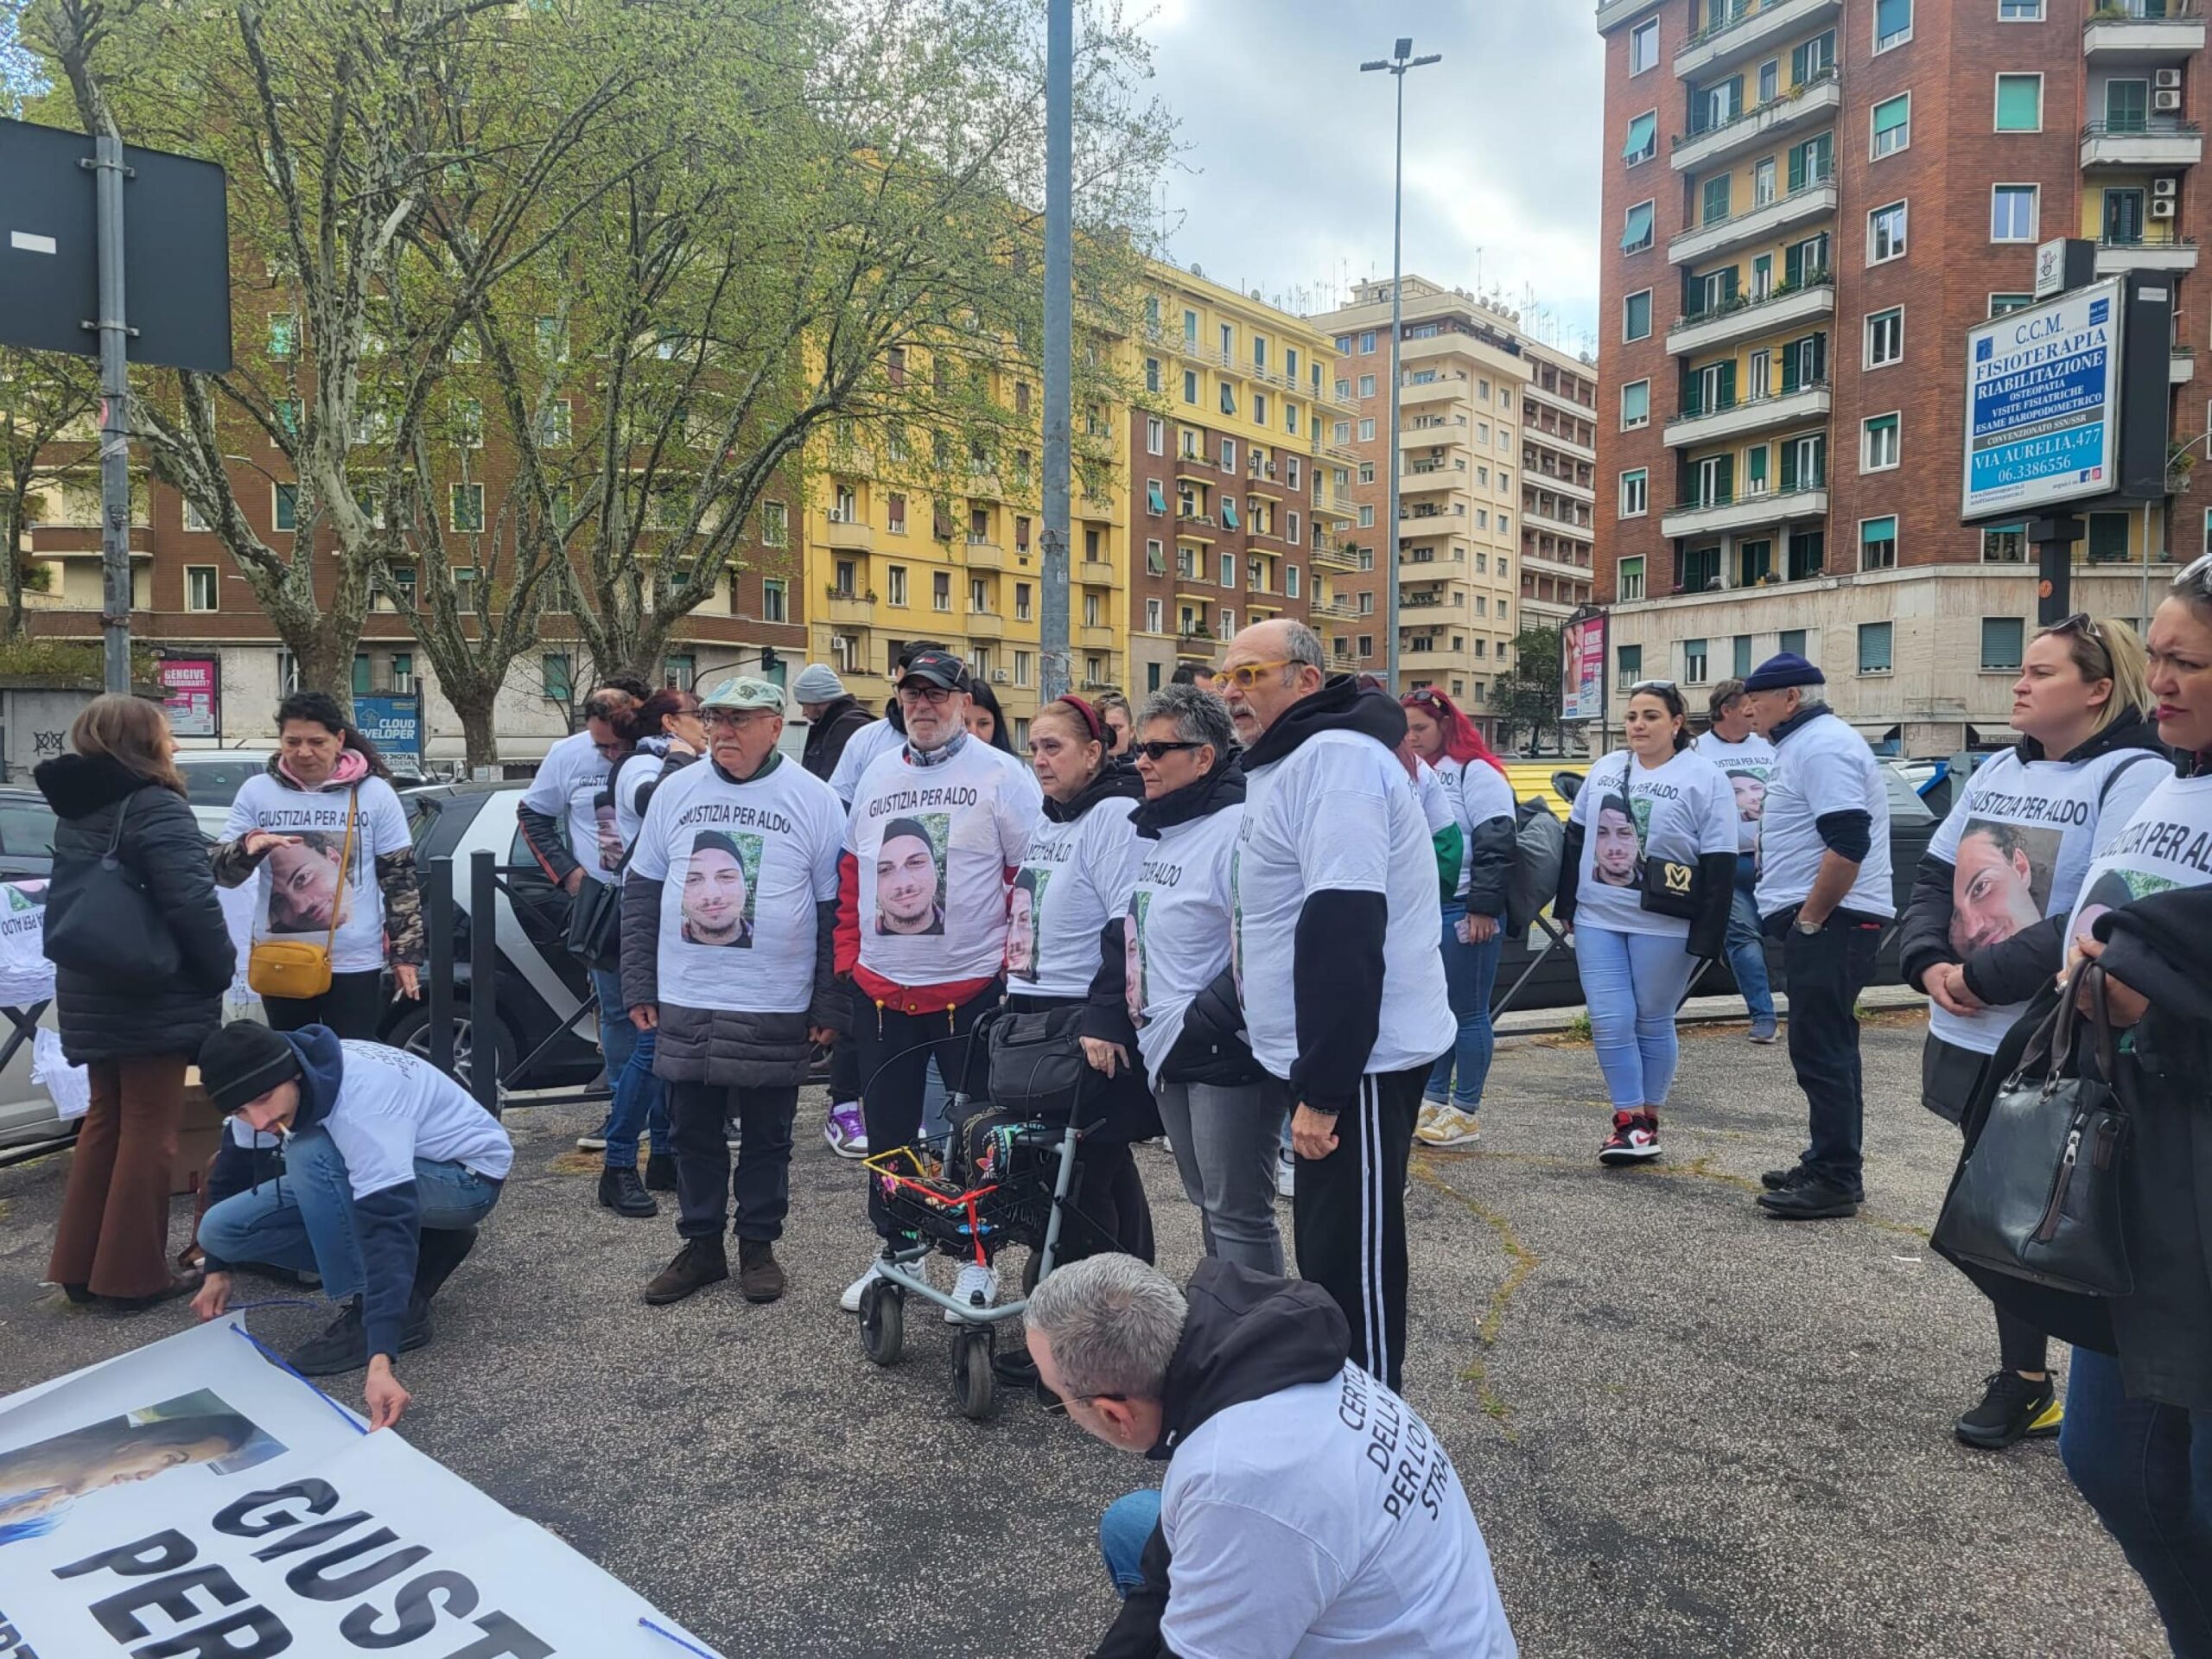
(107,1019)
(829,733)
(1246,1336)
(1337,958)
(2015,969)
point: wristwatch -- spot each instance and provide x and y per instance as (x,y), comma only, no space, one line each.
(1808,928)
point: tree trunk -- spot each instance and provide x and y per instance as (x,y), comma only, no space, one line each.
(481,740)
(12,536)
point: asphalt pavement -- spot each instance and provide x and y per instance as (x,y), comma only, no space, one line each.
(1686,1429)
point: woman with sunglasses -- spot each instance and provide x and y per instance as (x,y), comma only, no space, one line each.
(1984,930)
(665,734)
(1654,806)
(1165,1000)
(1473,907)
(1076,877)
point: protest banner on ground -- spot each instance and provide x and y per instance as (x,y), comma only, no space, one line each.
(192,1498)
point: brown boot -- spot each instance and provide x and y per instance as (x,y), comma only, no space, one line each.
(698,1264)
(759,1275)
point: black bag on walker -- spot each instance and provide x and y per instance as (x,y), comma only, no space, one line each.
(1037,1063)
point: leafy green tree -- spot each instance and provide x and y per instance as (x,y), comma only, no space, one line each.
(1528,699)
(43,396)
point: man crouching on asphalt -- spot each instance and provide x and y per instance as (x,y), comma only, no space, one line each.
(1306,1508)
(388,1165)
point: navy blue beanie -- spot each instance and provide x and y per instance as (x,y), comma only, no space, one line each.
(1780,670)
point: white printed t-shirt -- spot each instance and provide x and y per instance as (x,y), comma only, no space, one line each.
(637,774)
(1820,767)
(741,869)
(1479,792)
(2168,843)
(567,787)
(296,886)
(1747,766)
(933,845)
(1679,811)
(862,749)
(1337,813)
(393,1108)
(1074,877)
(1176,934)
(2019,841)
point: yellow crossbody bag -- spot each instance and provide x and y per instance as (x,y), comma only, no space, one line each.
(292,969)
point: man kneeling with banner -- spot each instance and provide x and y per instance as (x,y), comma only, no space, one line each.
(388,1165)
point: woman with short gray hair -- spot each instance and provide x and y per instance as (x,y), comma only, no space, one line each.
(1165,991)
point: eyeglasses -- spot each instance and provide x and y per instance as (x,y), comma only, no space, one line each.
(1061,1406)
(1245,675)
(731,717)
(931,695)
(1156,750)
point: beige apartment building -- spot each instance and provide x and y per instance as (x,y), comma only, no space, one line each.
(1497,445)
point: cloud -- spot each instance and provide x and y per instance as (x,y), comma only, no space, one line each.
(1285,178)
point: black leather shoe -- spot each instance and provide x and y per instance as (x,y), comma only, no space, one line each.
(700,1263)
(660,1171)
(1781,1180)
(418,1330)
(760,1276)
(1811,1199)
(620,1190)
(344,1346)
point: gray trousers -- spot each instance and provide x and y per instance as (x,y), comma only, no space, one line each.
(1227,1142)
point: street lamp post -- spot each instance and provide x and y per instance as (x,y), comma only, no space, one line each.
(1401,60)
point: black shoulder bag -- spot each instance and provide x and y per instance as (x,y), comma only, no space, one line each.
(2038,1194)
(595,909)
(1672,889)
(100,919)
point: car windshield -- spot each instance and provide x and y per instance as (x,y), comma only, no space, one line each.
(26,829)
(217,783)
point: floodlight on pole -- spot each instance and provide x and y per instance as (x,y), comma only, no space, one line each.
(1403,60)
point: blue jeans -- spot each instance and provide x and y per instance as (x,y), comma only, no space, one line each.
(1470,971)
(1746,952)
(617,1036)
(305,1220)
(641,1102)
(2147,1470)
(1123,1532)
(1633,982)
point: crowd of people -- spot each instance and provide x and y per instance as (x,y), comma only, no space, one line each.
(1268,904)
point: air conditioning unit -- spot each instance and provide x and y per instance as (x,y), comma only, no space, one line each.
(2169,80)
(2162,209)
(1000,677)
(2165,188)
(2166,103)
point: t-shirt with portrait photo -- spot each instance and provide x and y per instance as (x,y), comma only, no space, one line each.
(2019,841)
(1679,811)
(568,785)
(1746,764)
(2168,843)
(741,869)
(932,846)
(1073,877)
(297,885)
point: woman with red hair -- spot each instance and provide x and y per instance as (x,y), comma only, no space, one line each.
(1473,922)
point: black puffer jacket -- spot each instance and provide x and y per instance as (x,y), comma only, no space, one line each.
(111,1019)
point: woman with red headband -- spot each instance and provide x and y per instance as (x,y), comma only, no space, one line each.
(1473,924)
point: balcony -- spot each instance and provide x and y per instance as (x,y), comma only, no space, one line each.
(2142,39)
(83,541)
(1566,446)
(1551,524)
(1194,647)
(848,534)
(1434,516)
(1611,14)
(1745,415)
(1430,469)
(984,554)
(1340,610)
(986,624)
(1552,563)
(1335,558)
(1747,318)
(1093,636)
(2158,249)
(2181,367)
(1750,30)
(843,605)
(1443,383)
(2158,141)
(1764,223)
(1436,661)
(1730,515)
(1433,428)
(1097,572)
(1814,104)
(1193,526)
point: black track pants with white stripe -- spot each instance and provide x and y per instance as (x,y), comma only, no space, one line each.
(1349,1216)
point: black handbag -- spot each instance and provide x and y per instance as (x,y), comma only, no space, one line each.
(100,919)
(595,922)
(1038,1067)
(2037,1195)
(1672,889)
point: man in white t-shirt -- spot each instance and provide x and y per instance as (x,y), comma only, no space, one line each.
(1333,942)
(1307,1510)
(559,824)
(1731,744)
(1824,892)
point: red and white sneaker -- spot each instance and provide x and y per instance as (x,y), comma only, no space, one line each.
(1635,1139)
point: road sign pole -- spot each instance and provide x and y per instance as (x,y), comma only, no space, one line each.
(2054,538)
(1059,359)
(109,172)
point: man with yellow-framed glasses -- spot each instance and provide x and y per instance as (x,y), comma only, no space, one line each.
(1333,943)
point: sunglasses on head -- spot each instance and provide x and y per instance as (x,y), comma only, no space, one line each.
(2198,575)
(1156,750)
(1651,685)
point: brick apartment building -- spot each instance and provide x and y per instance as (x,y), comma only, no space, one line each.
(1807,204)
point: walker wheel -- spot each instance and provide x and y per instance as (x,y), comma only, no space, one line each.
(883,1322)
(973,1385)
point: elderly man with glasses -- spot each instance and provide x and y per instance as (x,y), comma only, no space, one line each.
(1333,939)
(1306,1508)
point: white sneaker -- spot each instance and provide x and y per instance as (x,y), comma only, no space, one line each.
(1426,1119)
(1450,1127)
(1286,1176)
(976,1280)
(850,1301)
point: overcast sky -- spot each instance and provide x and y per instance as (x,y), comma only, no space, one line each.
(1285,179)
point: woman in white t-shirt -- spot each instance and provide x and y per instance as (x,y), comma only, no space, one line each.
(1985,927)
(323,831)
(1075,879)
(1656,799)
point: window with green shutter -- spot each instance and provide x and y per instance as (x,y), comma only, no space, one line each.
(2019,103)
(1892,23)
(1642,139)
(1755,477)
(1892,123)
(361,674)
(1715,200)
(1874,647)
(1754,561)
(1636,235)
(2127,105)
(1740,663)
(2001,639)
(1878,544)
(1813,58)
(2108,537)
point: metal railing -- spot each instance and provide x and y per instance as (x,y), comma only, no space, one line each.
(1744,302)
(1825,77)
